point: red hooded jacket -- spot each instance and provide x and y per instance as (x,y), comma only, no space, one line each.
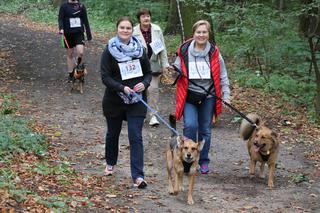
(183,82)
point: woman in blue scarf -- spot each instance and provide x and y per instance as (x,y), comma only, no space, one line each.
(125,69)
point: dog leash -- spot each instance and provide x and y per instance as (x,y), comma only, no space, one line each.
(65,41)
(154,112)
(211,93)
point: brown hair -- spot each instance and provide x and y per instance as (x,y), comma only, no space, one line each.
(143,11)
(199,23)
(124,18)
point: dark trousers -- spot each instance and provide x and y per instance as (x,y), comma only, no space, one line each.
(135,124)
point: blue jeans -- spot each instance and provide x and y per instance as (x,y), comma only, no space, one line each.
(135,124)
(197,125)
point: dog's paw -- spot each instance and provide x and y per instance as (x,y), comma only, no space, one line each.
(270,184)
(170,190)
(190,201)
(181,188)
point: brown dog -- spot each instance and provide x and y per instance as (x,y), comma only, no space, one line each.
(79,71)
(263,146)
(183,157)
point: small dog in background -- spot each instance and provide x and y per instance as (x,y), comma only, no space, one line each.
(263,146)
(182,157)
(78,73)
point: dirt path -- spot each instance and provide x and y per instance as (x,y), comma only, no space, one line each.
(41,79)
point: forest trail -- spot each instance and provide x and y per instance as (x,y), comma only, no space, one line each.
(40,77)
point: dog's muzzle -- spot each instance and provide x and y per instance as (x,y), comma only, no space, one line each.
(258,146)
(188,158)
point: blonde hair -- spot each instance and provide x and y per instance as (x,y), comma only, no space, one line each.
(199,23)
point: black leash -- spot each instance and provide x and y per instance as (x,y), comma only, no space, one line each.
(214,95)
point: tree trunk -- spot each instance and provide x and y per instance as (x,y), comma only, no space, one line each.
(281,4)
(173,24)
(191,13)
(317,73)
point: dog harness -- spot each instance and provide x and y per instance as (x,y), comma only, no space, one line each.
(264,157)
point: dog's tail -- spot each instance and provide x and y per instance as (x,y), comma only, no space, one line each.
(246,129)
(173,123)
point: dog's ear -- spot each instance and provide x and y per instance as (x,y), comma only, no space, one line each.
(180,141)
(201,144)
(274,136)
(258,122)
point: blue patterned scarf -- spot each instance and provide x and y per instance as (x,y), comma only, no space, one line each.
(125,52)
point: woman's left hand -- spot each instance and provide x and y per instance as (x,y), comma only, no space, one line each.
(225,107)
(139,87)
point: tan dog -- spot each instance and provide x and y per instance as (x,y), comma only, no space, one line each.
(263,146)
(183,157)
(79,71)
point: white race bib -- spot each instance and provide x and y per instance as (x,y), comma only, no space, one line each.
(130,69)
(199,70)
(75,22)
(157,46)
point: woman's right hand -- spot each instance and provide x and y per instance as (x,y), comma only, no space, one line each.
(171,72)
(127,90)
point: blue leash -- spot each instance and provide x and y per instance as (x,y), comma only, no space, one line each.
(154,112)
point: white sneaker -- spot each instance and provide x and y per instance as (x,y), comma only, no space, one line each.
(154,121)
(109,170)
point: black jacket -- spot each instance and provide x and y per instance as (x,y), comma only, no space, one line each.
(112,104)
(74,10)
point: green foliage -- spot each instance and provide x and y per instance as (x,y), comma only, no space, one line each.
(113,9)
(6,178)
(299,178)
(172,43)
(45,169)
(53,202)
(265,46)
(8,107)
(46,15)
(15,135)
(102,14)
(20,195)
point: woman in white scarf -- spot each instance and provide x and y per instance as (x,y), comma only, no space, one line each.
(125,69)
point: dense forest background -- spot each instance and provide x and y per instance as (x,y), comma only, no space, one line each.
(271,45)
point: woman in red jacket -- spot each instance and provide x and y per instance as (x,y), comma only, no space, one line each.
(200,62)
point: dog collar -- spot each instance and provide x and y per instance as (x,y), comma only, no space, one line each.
(265,157)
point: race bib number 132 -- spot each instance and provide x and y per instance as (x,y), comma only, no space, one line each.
(130,69)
